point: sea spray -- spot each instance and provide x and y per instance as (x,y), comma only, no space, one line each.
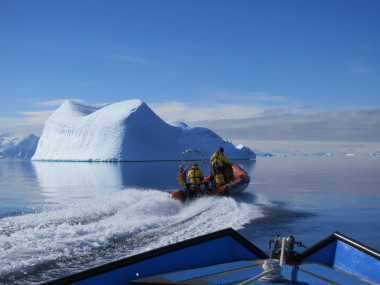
(133,220)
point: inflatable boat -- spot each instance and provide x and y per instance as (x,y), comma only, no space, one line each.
(238,183)
(226,257)
(214,184)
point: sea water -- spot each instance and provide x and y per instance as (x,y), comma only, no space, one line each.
(59,218)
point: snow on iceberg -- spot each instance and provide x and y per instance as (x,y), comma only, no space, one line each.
(123,131)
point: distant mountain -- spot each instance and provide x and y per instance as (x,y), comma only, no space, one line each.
(7,141)
(262,154)
(18,147)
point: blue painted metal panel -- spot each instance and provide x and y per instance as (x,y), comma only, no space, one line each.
(204,271)
(358,263)
(297,275)
(293,274)
(325,255)
(241,276)
(224,249)
(347,258)
(235,276)
(331,274)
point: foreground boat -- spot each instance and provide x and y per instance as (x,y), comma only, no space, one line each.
(225,257)
(209,187)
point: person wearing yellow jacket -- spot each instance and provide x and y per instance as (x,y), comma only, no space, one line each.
(195,175)
(219,159)
(221,165)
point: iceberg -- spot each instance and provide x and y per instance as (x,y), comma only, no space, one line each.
(123,131)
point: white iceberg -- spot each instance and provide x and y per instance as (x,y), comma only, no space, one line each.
(124,131)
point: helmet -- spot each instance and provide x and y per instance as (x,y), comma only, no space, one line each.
(221,149)
(195,164)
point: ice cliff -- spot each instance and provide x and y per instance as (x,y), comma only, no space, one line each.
(123,131)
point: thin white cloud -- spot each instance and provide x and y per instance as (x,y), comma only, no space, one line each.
(299,147)
(35,118)
(22,126)
(56,102)
(360,67)
(284,130)
(218,105)
(30,121)
(250,97)
(180,111)
(338,125)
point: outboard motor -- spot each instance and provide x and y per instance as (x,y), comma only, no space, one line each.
(189,190)
(206,188)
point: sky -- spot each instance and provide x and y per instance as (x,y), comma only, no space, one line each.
(276,75)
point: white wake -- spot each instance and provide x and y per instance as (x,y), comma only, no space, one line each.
(81,227)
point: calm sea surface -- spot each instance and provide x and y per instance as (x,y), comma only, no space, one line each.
(58,218)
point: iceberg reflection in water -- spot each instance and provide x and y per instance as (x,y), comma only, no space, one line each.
(83,179)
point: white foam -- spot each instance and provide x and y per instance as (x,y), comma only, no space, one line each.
(78,228)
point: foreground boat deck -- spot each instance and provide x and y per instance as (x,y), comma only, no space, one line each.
(233,273)
(227,258)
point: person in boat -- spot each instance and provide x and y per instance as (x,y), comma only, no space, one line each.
(181,176)
(195,175)
(221,166)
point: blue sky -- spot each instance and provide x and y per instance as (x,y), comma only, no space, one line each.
(196,61)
